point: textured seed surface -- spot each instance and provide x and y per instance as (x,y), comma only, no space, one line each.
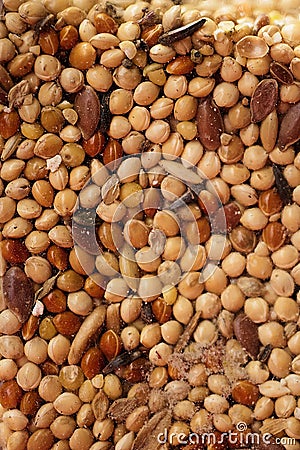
(263,100)
(18,293)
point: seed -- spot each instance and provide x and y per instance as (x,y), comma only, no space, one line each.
(263,100)
(209,123)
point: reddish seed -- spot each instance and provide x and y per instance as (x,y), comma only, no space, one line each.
(57,257)
(112,152)
(110,344)
(245,392)
(55,301)
(9,124)
(92,362)
(270,202)
(95,144)
(180,65)
(274,235)
(30,327)
(49,368)
(68,37)
(161,310)
(48,40)
(13,251)
(30,403)
(67,323)
(135,372)
(151,34)
(10,394)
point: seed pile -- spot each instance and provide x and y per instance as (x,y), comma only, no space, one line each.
(150,214)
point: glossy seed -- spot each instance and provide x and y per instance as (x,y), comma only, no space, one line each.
(18,293)
(87,106)
(289,130)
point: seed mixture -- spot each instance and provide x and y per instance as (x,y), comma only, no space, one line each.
(150,214)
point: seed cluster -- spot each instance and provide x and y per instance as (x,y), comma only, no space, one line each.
(150,215)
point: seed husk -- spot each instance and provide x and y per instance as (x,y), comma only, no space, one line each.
(263,100)
(209,123)
(246,333)
(87,106)
(18,293)
(289,130)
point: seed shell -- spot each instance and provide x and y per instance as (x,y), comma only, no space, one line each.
(18,293)
(87,106)
(263,100)
(209,123)
(289,130)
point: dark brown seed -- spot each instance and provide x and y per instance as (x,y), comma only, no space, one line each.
(226,218)
(112,152)
(55,301)
(245,392)
(18,293)
(14,251)
(87,106)
(181,33)
(246,333)
(58,257)
(92,362)
(95,144)
(270,202)
(274,235)
(10,394)
(263,100)
(289,131)
(281,73)
(30,403)
(5,79)
(110,344)
(67,323)
(283,188)
(242,239)
(136,371)
(209,123)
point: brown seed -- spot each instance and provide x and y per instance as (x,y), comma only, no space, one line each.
(180,65)
(135,372)
(67,323)
(9,123)
(209,123)
(40,440)
(49,42)
(281,73)
(112,152)
(151,34)
(87,106)
(68,37)
(92,363)
(263,100)
(289,131)
(18,293)
(30,403)
(105,23)
(274,235)
(14,251)
(242,239)
(161,310)
(270,202)
(227,217)
(110,344)
(30,327)
(245,392)
(55,301)
(246,333)
(58,257)
(10,394)
(95,144)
